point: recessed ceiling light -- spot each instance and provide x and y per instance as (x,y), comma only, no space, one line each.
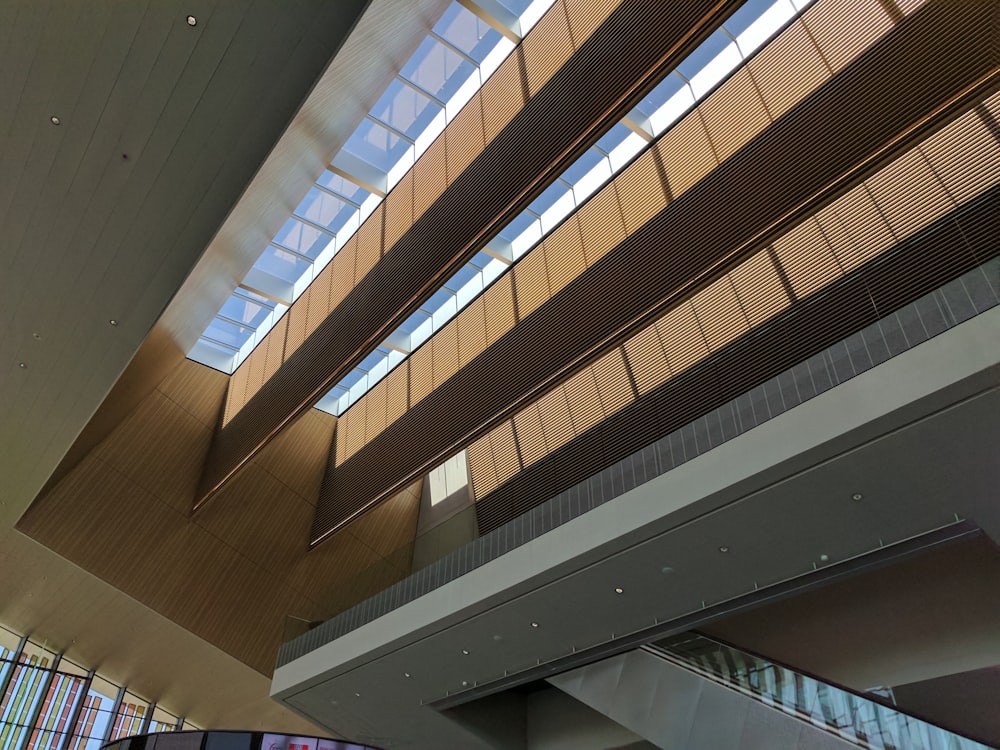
(857,497)
(465,651)
(619,590)
(406,674)
(357,695)
(465,683)
(36,336)
(113,322)
(192,21)
(723,549)
(824,558)
(534,624)
(23,365)
(55,120)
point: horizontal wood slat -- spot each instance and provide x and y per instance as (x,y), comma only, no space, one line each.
(752,197)
(919,265)
(616,65)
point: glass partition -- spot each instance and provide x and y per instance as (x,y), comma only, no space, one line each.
(224,740)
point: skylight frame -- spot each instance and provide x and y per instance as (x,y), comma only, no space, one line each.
(626,147)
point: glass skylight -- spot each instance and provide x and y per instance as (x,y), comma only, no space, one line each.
(695,77)
(449,66)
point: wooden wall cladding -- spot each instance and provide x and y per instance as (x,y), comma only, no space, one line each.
(663,172)
(233,572)
(754,293)
(616,64)
(913,268)
(746,201)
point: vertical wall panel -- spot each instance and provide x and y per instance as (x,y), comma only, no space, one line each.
(342,276)
(530,436)
(498,304)
(421,373)
(844,30)
(503,95)
(397,392)
(647,360)
(682,340)
(925,200)
(531,282)
(586,15)
(641,189)
(787,69)
(235,394)
(583,400)
(601,224)
(464,137)
(734,114)
(564,251)
(687,153)
(444,345)
(949,150)
(855,228)
(557,424)
(369,242)
(430,176)
(471,331)
(547,47)
(275,347)
(505,452)
(375,410)
(759,288)
(399,210)
(720,313)
(298,323)
(807,258)
(613,384)
(482,468)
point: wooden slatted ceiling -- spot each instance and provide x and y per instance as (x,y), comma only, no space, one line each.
(623,58)
(906,185)
(753,195)
(233,572)
(667,169)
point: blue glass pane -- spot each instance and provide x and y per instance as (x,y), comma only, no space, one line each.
(440,297)
(342,186)
(376,145)
(461,277)
(350,379)
(404,109)
(284,265)
(517,7)
(437,69)
(575,172)
(704,54)
(226,333)
(413,322)
(549,196)
(244,311)
(749,12)
(481,260)
(370,361)
(517,225)
(467,32)
(660,95)
(610,140)
(302,238)
(260,299)
(326,210)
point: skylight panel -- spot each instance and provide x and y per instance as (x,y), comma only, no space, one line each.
(302,238)
(765,26)
(325,209)
(282,264)
(658,97)
(405,109)
(438,69)
(726,58)
(349,191)
(244,311)
(228,333)
(439,298)
(467,33)
(377,145)
(461,277)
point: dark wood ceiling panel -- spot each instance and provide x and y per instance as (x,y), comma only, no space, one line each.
(622,59)
(752,195)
